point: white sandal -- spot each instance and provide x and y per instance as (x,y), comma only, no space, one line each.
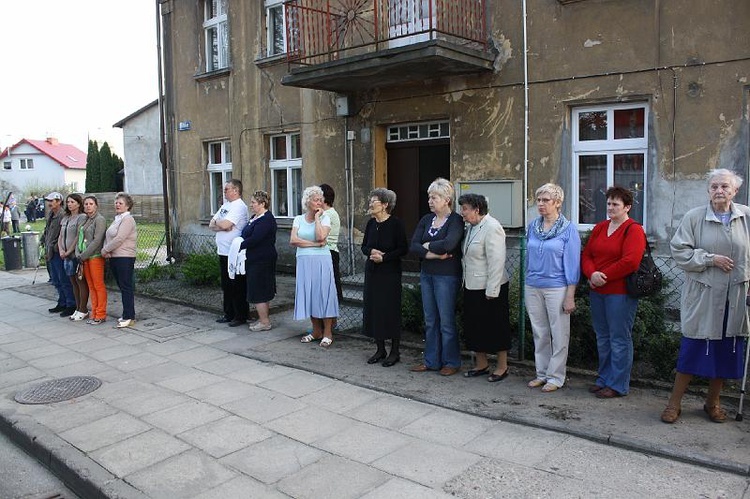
(326,342)
(308,338)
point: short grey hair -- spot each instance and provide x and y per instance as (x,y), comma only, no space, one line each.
(555,192)
(442,188)
(310,192)
(127,198)
(385,196)
(723,172)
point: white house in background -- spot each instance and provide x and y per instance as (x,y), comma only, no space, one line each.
(140,141)
(45,163)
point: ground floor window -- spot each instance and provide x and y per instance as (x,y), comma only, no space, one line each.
(219,172)
(286,174)
(610,146)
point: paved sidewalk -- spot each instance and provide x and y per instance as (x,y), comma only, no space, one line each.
(190,408)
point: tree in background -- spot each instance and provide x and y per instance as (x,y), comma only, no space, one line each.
(93,168)
(107,167)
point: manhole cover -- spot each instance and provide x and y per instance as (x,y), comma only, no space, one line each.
(58,390)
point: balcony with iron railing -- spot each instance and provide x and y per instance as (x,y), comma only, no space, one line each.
(350,45)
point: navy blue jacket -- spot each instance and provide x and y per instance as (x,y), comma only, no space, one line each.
(260,239)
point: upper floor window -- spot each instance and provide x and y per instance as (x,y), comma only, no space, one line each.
(275,28)
(219,171)
(610,146)
(216,32)
(286,174)
(27,164)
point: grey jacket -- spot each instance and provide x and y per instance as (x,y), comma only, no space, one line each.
(52,232)
(93,236)
(708,290)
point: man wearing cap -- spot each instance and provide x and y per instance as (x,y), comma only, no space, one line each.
(66,303)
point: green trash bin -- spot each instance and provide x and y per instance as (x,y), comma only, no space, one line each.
(12,252)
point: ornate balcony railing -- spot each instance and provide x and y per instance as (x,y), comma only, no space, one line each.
(320,31)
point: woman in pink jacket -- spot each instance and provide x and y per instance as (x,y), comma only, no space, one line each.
(119,249)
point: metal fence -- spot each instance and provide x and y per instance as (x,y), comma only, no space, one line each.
(157,277)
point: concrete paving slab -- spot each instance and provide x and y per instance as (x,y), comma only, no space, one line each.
(25,344)
(116,352)
(225,436)
(363,442)
(310,424)
(259,372)
(160,372)
(227,390)
(139,398)
(272,459)
(77,337)
(333,478)
(197,355)
(226,365)
(340,397)
(427,463)
(213,335)
(105,431)
(448,427)
(190,381)
(19,376)
(89,367)
(169,347)
(185,416)
(98,343)
(138,452)
(264,405)
(398,487)
(74,413)
(11,334)
(11,364)
(135,362)
(242,486)
(124,336)
(297,384)
(36,352)
(390,412)
(516,443)
(184,475)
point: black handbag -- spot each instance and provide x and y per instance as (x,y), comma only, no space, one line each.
(646,281)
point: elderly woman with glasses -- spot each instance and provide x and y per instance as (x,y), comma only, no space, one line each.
(315,295)
(119,248)
(384,244)
(552,273)
(259,243)
(437,242)
(712,246)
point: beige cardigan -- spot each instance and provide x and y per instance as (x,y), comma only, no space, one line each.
(120,237)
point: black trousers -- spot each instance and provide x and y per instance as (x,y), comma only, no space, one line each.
(235,291)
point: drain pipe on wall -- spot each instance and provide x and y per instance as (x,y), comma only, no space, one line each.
(348,160)
(522,269)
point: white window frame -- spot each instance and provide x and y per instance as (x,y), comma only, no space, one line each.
(219,23)
(26,164)
(291,165)
(270,42)
(223,166)
(7,165)
(609,147)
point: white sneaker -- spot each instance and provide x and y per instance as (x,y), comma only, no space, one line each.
(79,316)
(125,323)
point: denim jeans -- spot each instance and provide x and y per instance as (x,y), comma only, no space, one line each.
(61,282)
(439,294)
(123,271)
(612,317)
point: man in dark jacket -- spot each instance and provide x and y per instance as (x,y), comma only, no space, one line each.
(66,303)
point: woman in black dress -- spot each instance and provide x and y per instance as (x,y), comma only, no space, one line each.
(384,244)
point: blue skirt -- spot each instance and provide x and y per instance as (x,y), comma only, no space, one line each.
(315,293)
(722,358)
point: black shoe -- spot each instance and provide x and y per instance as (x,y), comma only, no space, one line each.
(376,358)
(237,322)
(473,373)
(223,319)
(391,361)
(54,310)
(67,311)
(494,378)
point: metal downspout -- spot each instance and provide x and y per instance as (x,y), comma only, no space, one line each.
(522,269)
(163,157)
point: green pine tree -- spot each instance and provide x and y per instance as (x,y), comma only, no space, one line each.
(93,168)
(107,176)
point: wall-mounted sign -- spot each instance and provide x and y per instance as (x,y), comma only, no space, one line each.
(183,126)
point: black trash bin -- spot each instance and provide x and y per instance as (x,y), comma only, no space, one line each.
(12,252)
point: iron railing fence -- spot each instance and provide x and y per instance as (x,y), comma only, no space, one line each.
(319,31)
(157,277)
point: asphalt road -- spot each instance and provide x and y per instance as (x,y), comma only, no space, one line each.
(21,476)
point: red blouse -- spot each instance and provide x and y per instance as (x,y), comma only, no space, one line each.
(615,256)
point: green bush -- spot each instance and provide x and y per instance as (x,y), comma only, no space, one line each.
(155,272)
(201,269)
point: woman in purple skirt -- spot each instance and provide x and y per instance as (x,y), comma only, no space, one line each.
(712,246)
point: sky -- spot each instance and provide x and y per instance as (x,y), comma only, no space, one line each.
(71,69)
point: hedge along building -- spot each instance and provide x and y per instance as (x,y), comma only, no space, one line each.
(360,94)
